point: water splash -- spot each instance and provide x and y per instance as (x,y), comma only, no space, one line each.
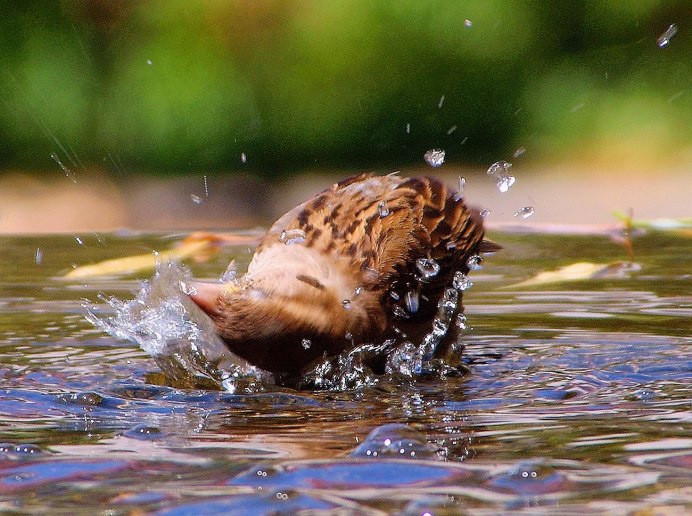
(524,212)
(664,39)
(499,171)
(461,281)
(427,267)
(383,209)
(306,343)
(435,157)
(474,262)
(67,171)
(292,236)
(167,324)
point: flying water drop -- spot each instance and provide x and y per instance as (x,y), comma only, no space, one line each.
(460,192)
(306,343)
(519,152)
(524,212)
(665,38)
(243,157)
(427,267)
(461,281)
(292,236)
(500,172)
(484,213)
(451,129)
(346,303)
(38,257)
(67,171)
(474,262)
(383,209)
(461,322)
(442,101)
(412,301)
(435,157)
(468,23)
(196,199)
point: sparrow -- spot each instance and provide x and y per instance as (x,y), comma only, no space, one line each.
(368,260)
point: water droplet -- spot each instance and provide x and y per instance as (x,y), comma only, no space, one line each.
(468,23)
(292,236)
(230,275)
(439,327)
(474,262)
(665,38)
(38,257)
(346,303)
(408,128)
(524,212)
(461,322)
(206,187)
(427,267)
(484,213)
(306,343)
(412,301)
(79,240)
(461,281)
(451,246)
(519,152)
(150,62)
(451,129)
(196,199)
(243,157)
(348,336)
(442,101)
(383,209)
(67,171)
(500,172)
(400,312)
(459,195)
(450,298)
(394,296)
(435,157)
(357,291)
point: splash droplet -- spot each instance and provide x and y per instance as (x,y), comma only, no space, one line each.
(461,281)
(500,172)
(383,209)
(306,343)
(38,257)
(665,38)
(150,62)
(412,301)
(400,312)
(394,296)
(427,267)
(461,322)
(292,236)
(460,191)
(346,303)
(519,152)
(484,213)
(79,240)
(474,262)
(243,157)
(442,101)
(357,291)
(524,212)
(196,199)
(468,23)
(408,128)
(435,157)
(451,129)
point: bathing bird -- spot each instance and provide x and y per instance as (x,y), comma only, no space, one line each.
(367,260)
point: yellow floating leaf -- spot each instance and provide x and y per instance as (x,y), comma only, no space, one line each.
(140,262)
(578,272)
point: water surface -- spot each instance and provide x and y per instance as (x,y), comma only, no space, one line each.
(578,400)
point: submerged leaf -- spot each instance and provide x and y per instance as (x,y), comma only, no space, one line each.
(578,272)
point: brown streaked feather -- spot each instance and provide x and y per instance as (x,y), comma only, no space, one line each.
(333,285)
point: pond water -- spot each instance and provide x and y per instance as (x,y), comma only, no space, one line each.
(578,400)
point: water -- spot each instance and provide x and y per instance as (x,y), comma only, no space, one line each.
(577,400)
(664,39)
(499,171)
(435,157)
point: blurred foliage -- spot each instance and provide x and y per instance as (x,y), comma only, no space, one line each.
(180,85)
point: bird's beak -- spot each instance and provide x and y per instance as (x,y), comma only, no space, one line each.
(206,295)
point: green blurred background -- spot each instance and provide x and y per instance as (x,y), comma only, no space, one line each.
(178,86)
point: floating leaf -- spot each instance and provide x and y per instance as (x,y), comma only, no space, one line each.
(198,246)
(578,272)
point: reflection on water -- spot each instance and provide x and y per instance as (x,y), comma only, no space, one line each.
(578,401)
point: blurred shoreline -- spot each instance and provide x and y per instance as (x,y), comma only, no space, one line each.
(98,202)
